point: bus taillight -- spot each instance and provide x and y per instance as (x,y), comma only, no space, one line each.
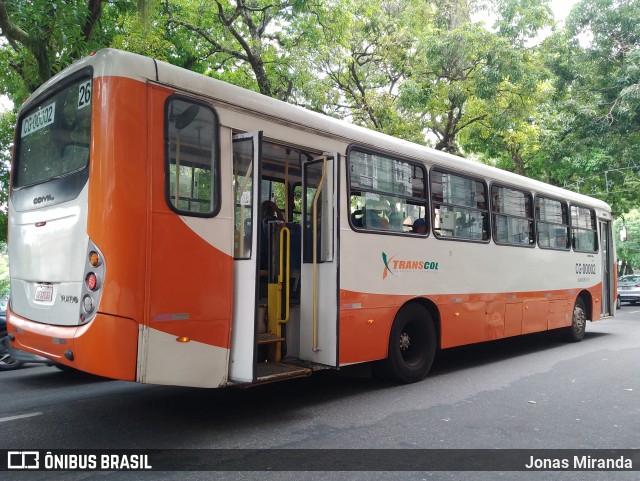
(87,304)
(94,276)
(92,281)
(94,259)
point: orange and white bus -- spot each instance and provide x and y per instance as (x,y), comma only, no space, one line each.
(145,244)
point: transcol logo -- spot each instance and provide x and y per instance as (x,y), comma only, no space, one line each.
(393,265)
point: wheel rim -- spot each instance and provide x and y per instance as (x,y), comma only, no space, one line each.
(411,339)
(579,320)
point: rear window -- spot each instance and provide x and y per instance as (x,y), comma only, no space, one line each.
(54,136)
(630,279)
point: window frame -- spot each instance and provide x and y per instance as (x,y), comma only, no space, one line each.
(433,203)
(66,187)
(394,157)
(215,165)
(532,219)
(537,220)
(594,218)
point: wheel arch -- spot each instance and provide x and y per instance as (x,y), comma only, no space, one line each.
(433,311)
(587,299)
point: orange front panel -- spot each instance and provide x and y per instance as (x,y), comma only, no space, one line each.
(106,346)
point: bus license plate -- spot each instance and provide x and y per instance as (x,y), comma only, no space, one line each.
(44,293)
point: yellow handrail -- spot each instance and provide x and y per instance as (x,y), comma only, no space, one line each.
(315,252)
(288,274)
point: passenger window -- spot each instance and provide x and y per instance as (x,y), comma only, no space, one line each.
(460,209)
(386,194)
(552,219)
(191,158)
(512,212)
(584,233)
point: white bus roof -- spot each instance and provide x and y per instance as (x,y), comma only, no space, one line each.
(111,62)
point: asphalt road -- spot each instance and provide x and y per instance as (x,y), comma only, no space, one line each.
(533,392)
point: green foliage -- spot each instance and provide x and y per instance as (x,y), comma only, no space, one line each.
(253,44)
(7,124)
(594,128)
(4,270)
(41,37)
(628,250)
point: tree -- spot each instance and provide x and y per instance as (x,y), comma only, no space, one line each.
(595,130)
(363,59)
(251,43)
(43,36)
(473,88)
(7,123)
(628,249)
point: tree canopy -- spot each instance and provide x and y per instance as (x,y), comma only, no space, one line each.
(565,109)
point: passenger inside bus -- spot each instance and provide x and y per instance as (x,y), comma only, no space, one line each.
(376,214)
(396,220)
(419,226)
(269,211)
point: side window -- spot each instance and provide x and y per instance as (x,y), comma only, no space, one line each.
(191,157)
(584,230)
(386,194)
(552,217)
(512,212)
(460,207)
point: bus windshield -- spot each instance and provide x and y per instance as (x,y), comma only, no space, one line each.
(53,136)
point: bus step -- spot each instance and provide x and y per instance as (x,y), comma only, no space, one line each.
(268,338)
(276,371)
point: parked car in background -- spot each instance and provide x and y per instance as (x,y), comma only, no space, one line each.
(12,358)
(629,288)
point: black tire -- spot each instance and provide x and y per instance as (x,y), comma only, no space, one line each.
(575,332)
(618,303)
(7,363)
(412,345)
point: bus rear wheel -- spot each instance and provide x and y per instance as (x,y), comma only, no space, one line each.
(412,345)
(575,332)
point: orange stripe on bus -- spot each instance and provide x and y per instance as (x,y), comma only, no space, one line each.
(366,319)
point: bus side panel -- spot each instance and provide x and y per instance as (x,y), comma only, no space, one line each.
(190,284)
(364,332)
(190,280)
(118,196)
(366,319)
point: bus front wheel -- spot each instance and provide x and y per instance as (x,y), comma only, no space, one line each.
(412,345)
(575,332)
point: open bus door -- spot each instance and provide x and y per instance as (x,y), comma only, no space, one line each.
(246,191)
(608,271)
(319,273)
(262,281)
